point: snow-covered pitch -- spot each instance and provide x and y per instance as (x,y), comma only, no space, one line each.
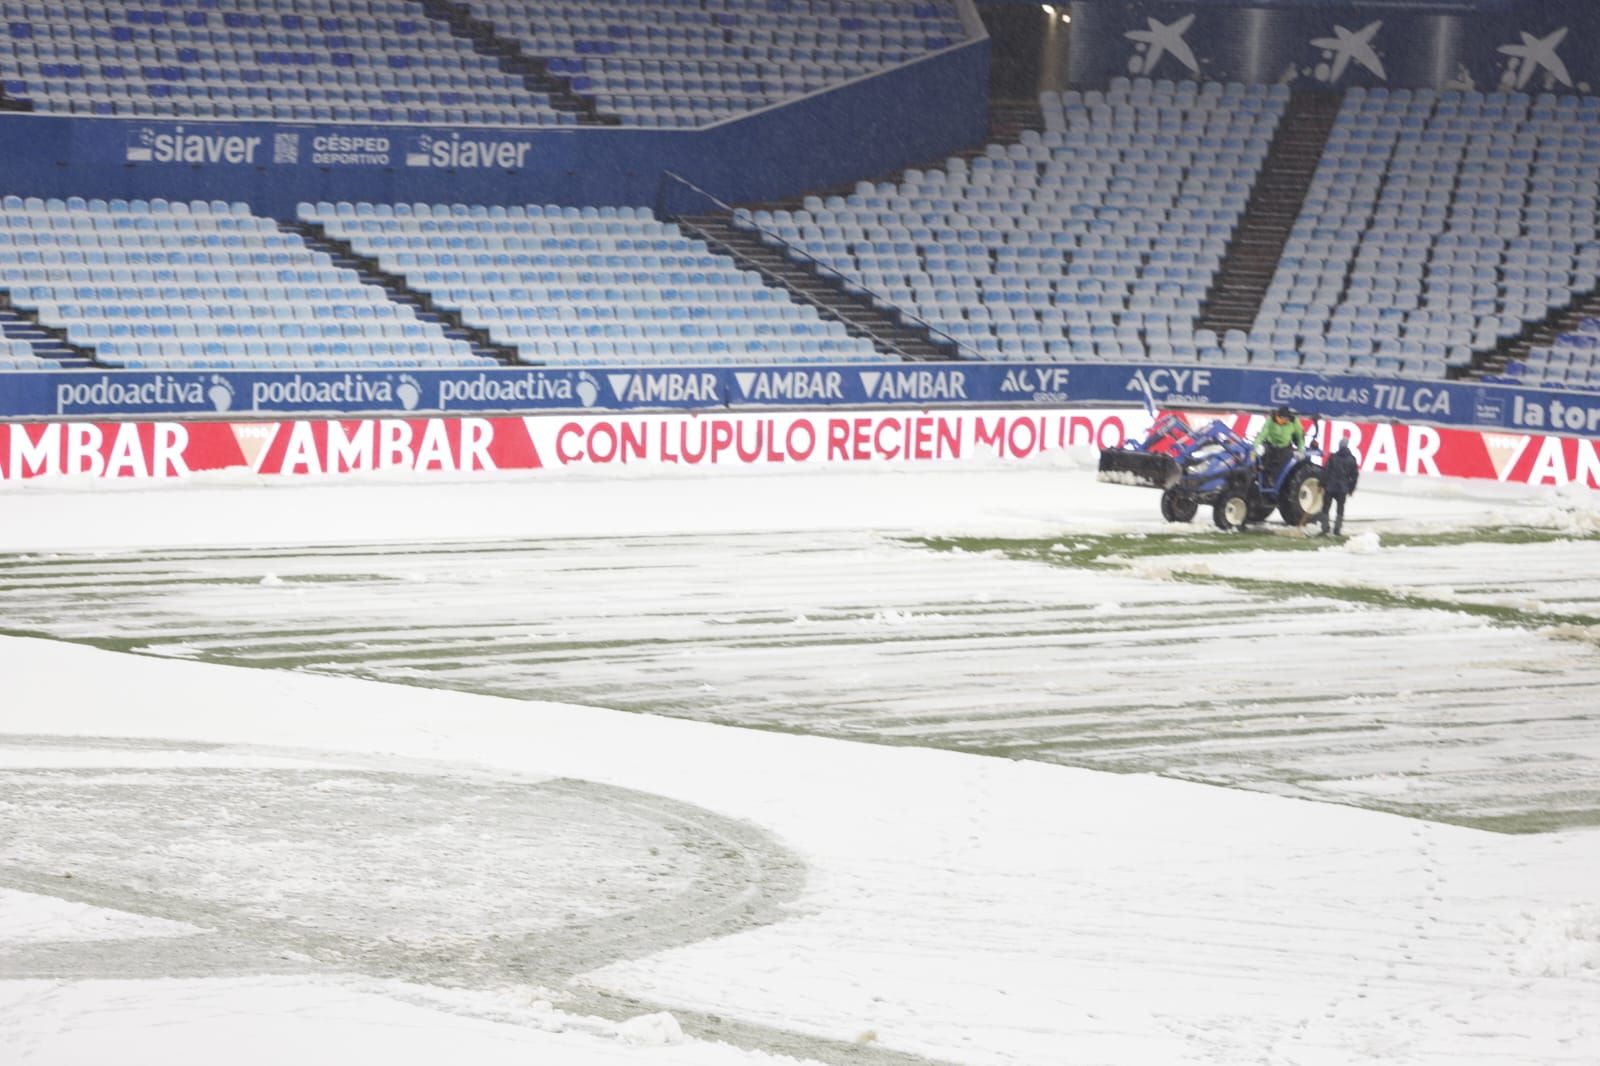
(987,766)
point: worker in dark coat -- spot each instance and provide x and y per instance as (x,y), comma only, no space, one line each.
(1339,479)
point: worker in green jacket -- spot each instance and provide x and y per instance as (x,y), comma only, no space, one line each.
(1280,437)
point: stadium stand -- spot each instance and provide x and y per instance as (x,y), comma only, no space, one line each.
(1572,361)
(592,285)
(301,60)
(16,355)
(1439,225)
(27,345)
(1096,239)
(1436,229)
(658,63)
(205,284)
(1438,233)
(209,285)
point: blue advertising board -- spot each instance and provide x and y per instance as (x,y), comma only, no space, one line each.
(127,394)
(900,117)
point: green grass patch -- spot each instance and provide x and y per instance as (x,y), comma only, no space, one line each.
(1088,549)
(1487,535)
(1371,596)
(1115,551)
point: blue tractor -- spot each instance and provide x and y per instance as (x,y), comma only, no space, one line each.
(1214,465)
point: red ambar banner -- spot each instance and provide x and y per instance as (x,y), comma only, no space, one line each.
(168,450)
(315,447)
(306,447)
(1429,451)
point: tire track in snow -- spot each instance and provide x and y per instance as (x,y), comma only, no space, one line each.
(850,636)
(391,875)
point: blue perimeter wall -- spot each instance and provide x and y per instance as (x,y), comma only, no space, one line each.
(905,116)
(132,394)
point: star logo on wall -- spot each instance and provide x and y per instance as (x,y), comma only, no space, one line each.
(1346,47)
(1533,55)
(1159,40)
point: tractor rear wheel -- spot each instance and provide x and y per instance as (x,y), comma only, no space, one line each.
(1231,511)
(1178,506)
(1302,498)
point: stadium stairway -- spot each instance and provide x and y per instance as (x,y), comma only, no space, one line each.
(513,60)
(1008,119)
(1541,334)
(1247,269)
(371,273)
(48,343)
(8,104)
(826,292)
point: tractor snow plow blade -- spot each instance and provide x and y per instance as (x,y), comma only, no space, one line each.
(1124,466)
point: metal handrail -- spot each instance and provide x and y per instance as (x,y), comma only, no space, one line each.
(865,328)
(817,264)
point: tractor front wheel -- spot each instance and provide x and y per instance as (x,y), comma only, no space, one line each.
(1302,498)
(1232,511)
(1178,506)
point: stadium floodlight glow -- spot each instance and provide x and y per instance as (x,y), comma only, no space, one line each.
(1065,17)
(1049,9)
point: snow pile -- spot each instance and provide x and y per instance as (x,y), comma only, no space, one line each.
(1587,634)
(1123,477)
(1578,521)
(1563,944)
(889,617)
(1363,544)
(27,918)
(1388,785)
(542,1015)
(1162,569)
(1570,509)
(651,1030)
